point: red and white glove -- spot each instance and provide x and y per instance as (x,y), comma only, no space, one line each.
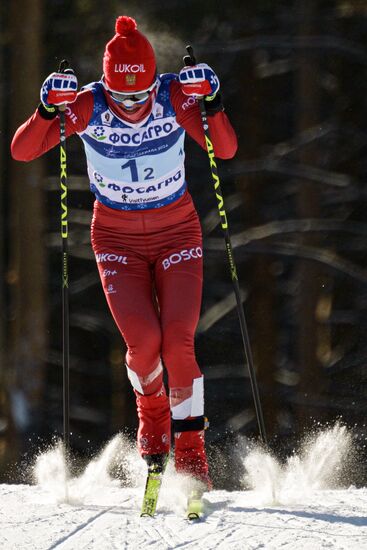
(199,80)
(59,88)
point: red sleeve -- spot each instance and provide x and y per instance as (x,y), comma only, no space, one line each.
(188,116)
(38,135)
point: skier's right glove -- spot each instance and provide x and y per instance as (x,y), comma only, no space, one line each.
(58,89)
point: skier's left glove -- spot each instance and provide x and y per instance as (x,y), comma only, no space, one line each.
(201,81)
(198,81)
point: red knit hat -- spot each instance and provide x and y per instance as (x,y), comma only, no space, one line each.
(129,60)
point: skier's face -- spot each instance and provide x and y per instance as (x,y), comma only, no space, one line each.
(132,101)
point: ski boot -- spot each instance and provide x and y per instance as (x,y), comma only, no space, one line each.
(190,455)
(154,432)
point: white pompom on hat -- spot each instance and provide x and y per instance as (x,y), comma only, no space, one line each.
(129,62)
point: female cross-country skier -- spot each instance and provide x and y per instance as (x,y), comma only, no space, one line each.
(145,231)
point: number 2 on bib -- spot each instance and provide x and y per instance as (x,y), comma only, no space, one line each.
(131,164)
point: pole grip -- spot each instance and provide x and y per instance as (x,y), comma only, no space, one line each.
(189,60)
(64,64)
(64,67)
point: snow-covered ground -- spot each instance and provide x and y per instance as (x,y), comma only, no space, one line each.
(290,506)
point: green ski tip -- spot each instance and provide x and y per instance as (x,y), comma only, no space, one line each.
(195,506)
(156,467)
(151,495)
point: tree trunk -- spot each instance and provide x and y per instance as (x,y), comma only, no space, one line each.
(260,307)
(26,276)
(309,276)
(4,406)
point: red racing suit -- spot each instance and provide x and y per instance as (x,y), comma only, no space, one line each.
(149,260)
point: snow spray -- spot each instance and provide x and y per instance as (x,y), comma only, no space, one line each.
(317,466)
(117,465)
(51,472)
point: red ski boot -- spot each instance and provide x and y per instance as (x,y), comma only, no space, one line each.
(190,455)
(154,433)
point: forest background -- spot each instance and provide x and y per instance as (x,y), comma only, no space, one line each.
(293,76)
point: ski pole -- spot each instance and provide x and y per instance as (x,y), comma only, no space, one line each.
(65,270)
(190,60)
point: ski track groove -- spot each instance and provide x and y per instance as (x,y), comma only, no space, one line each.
(107,536)
(80,528)
(198,532)
(80,531)
(233,521)
(174,533)
(273,535)
(220,536)
(164,532)
(37,521)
